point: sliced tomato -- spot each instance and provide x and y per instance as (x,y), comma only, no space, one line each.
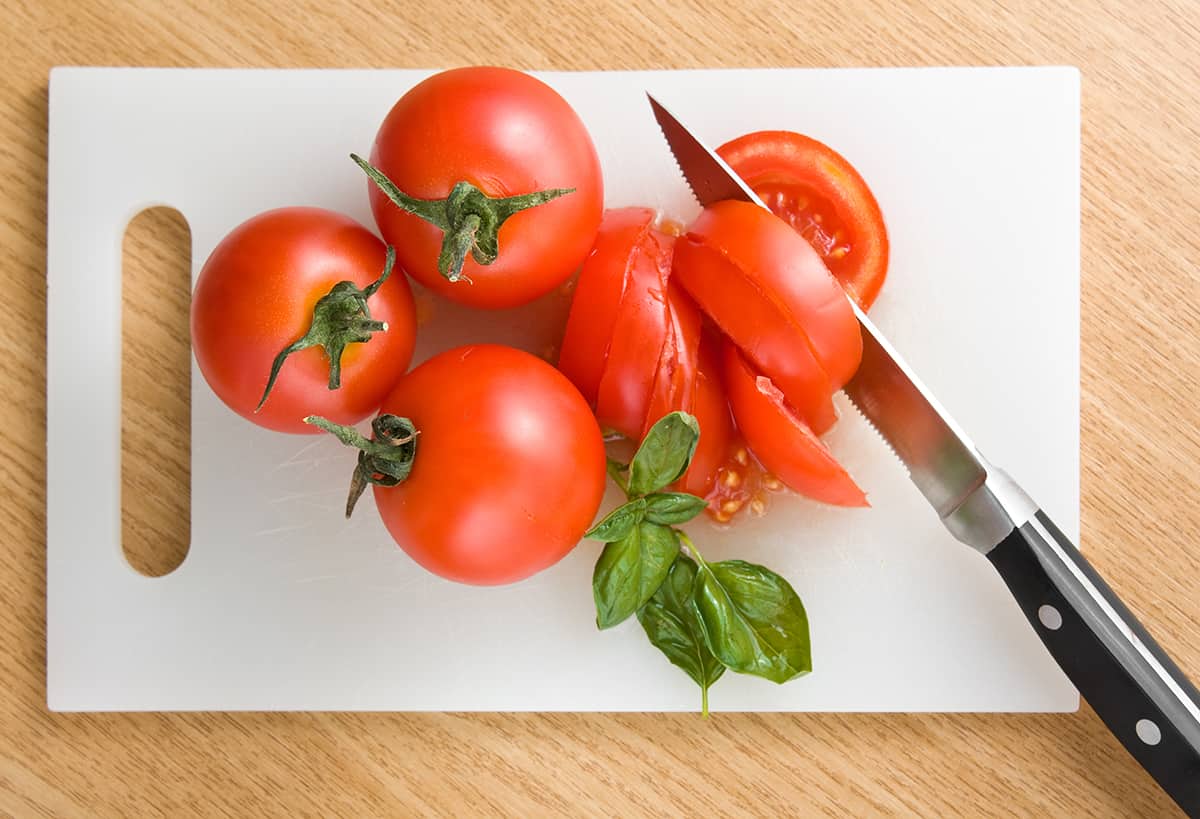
(770,293)
(711,409)
(662,395)
(597,296)
(781,441)
(675,382)
(638,336)
(822,196)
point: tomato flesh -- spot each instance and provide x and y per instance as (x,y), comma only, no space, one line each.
(741,485)
(781,441)
(814,218)
(509,469)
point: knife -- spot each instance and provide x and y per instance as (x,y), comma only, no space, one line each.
(1141,695)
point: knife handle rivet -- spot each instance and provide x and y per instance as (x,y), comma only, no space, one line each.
(1148,732)
(1050,617)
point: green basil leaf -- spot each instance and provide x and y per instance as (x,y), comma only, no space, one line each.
(664,454)
(630,570)
(618,523)
(670,620)
(616,470)
(753,620)
(671,508)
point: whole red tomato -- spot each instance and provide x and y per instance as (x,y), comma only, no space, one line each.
(256,296)
(507,465)
(463,148)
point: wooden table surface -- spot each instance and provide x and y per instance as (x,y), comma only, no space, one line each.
(1140,445)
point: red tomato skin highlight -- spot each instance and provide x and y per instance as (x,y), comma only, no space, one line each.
(509,469)
(255,296)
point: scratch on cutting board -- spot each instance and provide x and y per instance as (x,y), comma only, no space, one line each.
(301,456)
(403,582)
(291,527)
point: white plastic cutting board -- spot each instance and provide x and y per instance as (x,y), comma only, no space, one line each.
(281,604)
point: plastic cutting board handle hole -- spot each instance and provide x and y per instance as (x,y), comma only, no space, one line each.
(156,405)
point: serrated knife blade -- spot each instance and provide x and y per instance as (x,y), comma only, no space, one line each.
(1139,692)
(939,457)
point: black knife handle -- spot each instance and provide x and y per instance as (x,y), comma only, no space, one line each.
(1141,695)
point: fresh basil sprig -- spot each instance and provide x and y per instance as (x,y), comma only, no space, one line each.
(753,620)
(631,569)
(669,508)
(673,625)
(664,454)
(705,617)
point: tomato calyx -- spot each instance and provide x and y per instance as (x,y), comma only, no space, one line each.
(340,317)
(384,459)
(469,218)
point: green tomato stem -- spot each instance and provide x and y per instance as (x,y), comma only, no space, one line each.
(385,459)
(469,219)
(340,317)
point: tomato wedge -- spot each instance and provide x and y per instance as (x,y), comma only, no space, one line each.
(711,409)
(822,196)
(597,296)
(675,381)
(639,334)
(770,293)
(780,440)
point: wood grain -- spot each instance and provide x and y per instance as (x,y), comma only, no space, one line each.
(1141,370)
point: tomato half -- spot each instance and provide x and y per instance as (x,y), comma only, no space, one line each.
(506,133)
(255,296)
(781,441)
(639,335)
(823,197)
(509,468)
(597,296)
(770,293)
